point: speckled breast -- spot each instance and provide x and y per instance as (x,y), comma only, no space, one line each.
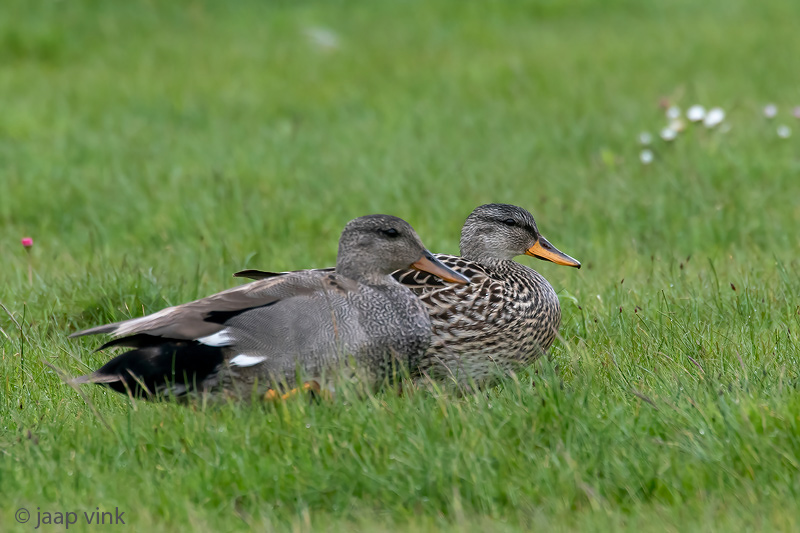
(502,320)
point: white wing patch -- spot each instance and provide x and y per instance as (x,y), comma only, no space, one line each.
(246,360)
(220,338)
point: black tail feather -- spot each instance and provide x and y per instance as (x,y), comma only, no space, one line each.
(173,368)
(140,340)
(257,274)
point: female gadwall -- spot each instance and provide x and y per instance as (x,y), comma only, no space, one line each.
(507,316)
(253,337)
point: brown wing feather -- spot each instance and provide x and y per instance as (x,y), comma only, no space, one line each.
(206,316)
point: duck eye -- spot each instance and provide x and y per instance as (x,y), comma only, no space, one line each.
(391,233)
(510,222)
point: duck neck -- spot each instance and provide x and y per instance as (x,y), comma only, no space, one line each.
(355,270)
(478,247)
(490,260)
(485,254)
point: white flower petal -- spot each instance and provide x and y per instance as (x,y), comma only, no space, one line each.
(770,110)
(668,134)
(646,157)
(645,138)
(714,117)
(696,113)
(784,132)
(673,112)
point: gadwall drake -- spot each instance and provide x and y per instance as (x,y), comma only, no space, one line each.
(249,338)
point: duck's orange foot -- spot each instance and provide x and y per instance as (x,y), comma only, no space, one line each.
(309,386)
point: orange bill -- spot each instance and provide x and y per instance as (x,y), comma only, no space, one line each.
(542,249)
(428,263)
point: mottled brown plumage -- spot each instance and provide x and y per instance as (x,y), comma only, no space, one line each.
(507,316)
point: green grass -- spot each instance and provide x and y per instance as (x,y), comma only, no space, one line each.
(151,149)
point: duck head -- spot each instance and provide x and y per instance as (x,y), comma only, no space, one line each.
(502,232)
(373,246)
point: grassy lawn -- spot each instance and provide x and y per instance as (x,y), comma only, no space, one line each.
(151,149)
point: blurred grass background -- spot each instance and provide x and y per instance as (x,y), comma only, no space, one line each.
(151,149)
